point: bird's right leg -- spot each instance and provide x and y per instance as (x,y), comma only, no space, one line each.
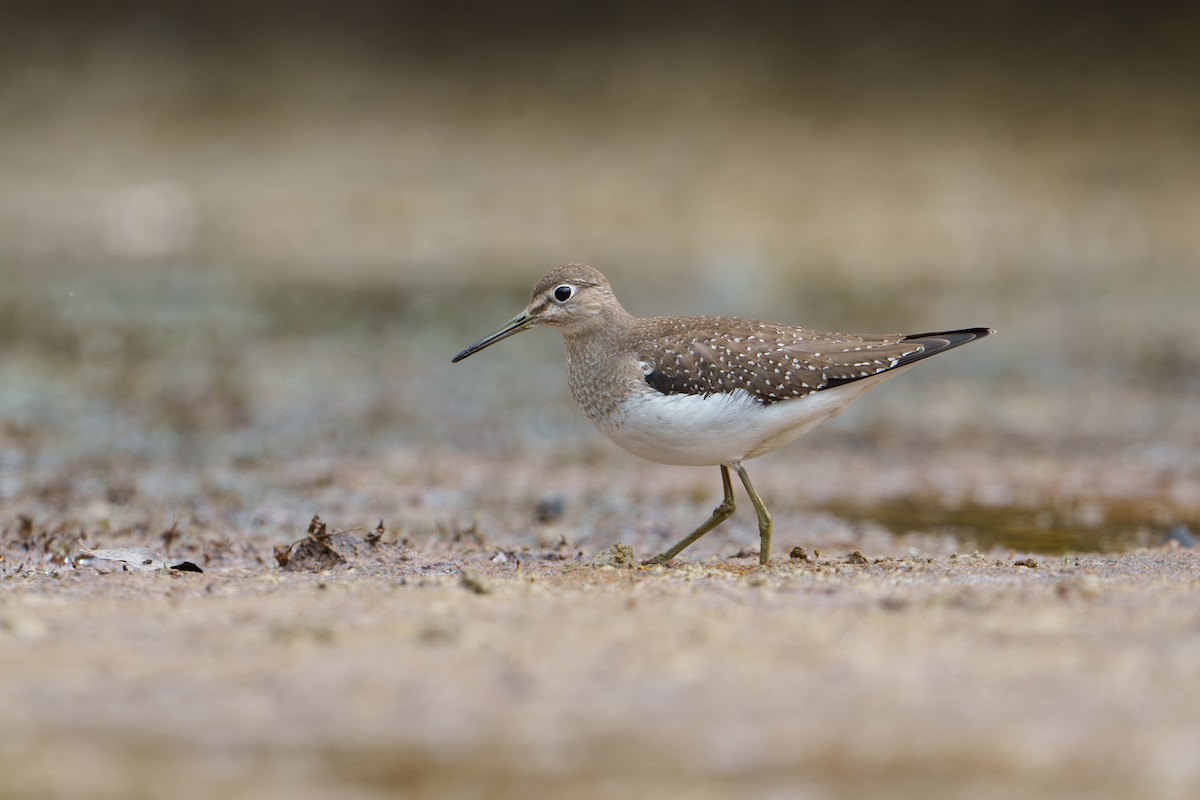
(719,515)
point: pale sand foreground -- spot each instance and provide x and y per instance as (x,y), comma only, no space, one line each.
(1072,677)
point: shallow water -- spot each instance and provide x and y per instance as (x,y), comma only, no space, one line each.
(1048,530)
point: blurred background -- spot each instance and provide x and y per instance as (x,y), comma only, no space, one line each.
(244,237)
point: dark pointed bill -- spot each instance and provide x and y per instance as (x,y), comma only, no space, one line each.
(517,324)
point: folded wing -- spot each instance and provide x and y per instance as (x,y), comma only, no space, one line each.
(774,363)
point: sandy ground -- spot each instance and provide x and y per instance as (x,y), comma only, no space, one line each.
(492,640)
(472,675)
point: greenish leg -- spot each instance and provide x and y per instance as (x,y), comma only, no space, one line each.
(719,515)
(764,516)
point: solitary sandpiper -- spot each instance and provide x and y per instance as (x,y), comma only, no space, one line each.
(708,391)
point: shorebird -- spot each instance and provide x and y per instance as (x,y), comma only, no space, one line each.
(708,391)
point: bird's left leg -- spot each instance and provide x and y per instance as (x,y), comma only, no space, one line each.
(764,516)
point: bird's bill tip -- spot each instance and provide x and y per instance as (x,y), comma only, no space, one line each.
(520,322)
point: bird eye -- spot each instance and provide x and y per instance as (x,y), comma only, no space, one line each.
(564,293)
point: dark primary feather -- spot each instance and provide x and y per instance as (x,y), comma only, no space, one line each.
(716,355)
(930,345)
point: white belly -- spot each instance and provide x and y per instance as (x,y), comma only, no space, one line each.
(699,431)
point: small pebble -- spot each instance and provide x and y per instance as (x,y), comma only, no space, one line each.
(1183,535)
(799,554)
(549,509)
(619,555)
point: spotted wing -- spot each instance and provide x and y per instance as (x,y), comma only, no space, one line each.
(719,355)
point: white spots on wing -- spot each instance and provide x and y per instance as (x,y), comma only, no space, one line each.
(707,356)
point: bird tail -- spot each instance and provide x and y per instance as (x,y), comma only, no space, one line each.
(941,341)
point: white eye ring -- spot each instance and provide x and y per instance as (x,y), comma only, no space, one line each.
(563,292)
